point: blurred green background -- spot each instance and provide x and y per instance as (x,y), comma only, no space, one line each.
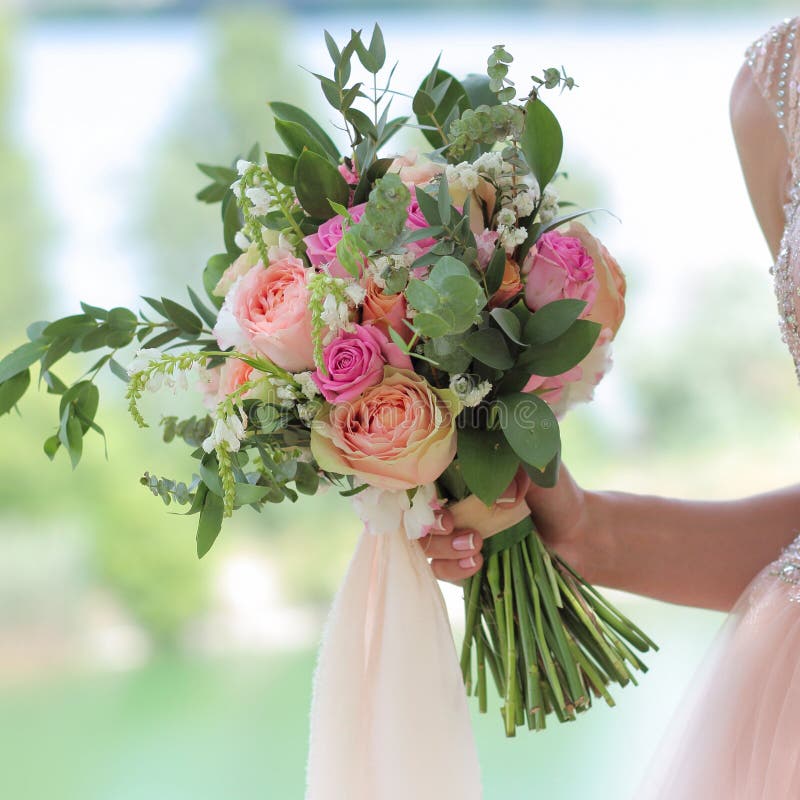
(130,670)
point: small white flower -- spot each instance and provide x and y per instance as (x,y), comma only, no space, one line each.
(307,412)
(506,217)
(465,389)
(242,166)
(489,163)
(259,199)
(142,360)
(307,385)
(235,186)
(356,293)
(524,202)
(285,393)
(229,431)
(242,242)
(548,211)
(511,237)
(155,381)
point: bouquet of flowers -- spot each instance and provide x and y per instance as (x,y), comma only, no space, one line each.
(408,331)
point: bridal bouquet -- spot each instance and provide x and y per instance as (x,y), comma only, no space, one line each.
(407,330)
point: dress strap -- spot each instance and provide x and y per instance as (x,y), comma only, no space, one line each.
(775,71)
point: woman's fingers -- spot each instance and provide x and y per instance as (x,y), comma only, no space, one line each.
(455,546)
(456,571)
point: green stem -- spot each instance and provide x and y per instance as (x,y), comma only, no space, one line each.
(511,648)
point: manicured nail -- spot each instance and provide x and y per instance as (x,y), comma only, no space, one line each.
(466,563)
(464,542)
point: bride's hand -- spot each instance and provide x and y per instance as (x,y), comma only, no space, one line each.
(560,515)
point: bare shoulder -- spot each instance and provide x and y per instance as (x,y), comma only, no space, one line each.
(763,154)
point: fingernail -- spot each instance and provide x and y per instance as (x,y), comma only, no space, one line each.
(466,563)
(464,542)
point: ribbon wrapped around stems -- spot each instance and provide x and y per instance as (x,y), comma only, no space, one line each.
(389,717)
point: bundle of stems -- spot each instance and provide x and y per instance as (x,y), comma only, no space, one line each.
(551,641)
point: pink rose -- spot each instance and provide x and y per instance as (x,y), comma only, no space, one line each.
(267,312)
(414,171)
(551,389)
(220,381)
(485,241)
(321,246)
(385,310)
(559,267)
(609,305)
(348,174)
(355,361)
(399,434)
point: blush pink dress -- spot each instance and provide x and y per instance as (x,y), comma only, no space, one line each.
(737,736)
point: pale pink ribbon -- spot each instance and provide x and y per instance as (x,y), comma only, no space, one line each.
(389,717)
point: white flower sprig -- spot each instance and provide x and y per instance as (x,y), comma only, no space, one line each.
(467,390)
(331,301)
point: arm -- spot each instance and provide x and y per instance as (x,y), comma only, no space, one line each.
(689,552)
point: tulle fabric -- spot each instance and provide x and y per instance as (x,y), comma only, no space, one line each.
(737,735)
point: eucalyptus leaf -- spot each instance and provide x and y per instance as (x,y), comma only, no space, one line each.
(12,390)
(489,347)
(21,358)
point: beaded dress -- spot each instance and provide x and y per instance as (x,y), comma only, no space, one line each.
(737,735)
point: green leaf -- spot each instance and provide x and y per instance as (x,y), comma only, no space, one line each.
(316,182)
(290,113)
(282,167)
(213,193)
(443,201)
(216,265)
(509,323)
(231,223)
(94,311)
(74,326)
(210,523)
(307,479)
(495,270)
(446,351)
(374,57)
(489,347)
(477,90)
(35,330)
(488,463)
(428,206)
(222,175)
(431,325)
(118,370)
(298,139)
(209,316)
(430,111)
(542,141)
(185,319)
(552,320)
(21,358)
(422,296)
(561,354)
(12,390)
(156,304)
(247,493)
(51,446)
(530,427)
(547,477)
(57,350)
(70,434)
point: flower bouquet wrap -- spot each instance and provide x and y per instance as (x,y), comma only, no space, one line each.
(407,330)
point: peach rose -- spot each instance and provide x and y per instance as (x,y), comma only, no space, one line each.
(399,434)
(414,171)
(510,287)
(267,312)
(220,381)
(385,310)
(483,196)
(609,304)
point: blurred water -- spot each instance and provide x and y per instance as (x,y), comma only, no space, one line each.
(648,126)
